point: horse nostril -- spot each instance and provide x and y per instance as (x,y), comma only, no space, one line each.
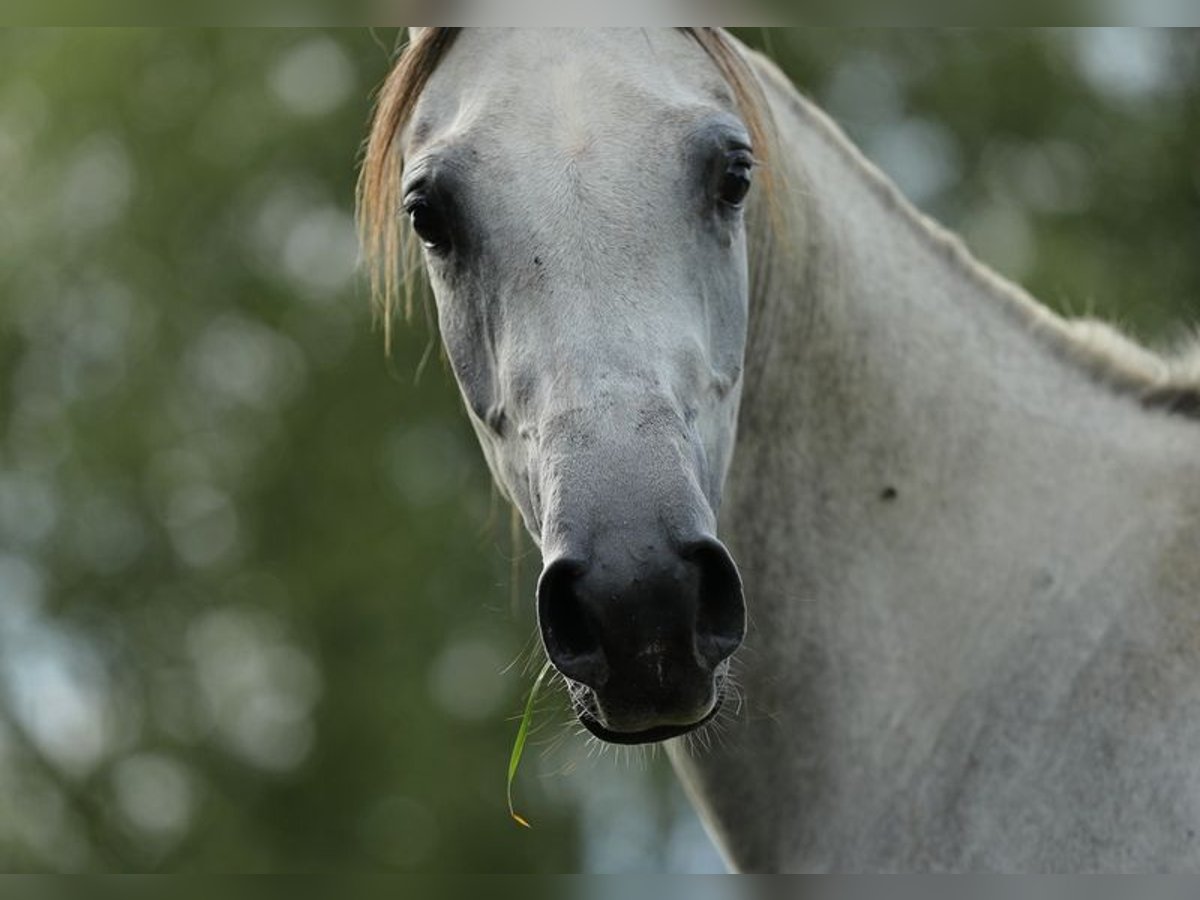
(721,612)
(566,625)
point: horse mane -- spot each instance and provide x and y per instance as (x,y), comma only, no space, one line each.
(389,250)
(1167,381)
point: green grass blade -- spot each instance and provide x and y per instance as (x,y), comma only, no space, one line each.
(519,744)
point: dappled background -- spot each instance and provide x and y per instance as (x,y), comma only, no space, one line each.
(259,608)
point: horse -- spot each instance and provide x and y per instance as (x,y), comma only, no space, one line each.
(680,304)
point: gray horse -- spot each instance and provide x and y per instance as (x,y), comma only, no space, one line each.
(673,294)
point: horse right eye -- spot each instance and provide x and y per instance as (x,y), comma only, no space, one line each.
(735,181)
(430,224)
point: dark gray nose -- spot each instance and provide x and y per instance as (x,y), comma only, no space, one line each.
(645,634)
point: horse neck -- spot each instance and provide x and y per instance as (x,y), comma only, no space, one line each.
(920,481)
(888,367)
(852,288)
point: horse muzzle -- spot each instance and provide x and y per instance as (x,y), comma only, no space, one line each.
(644,638)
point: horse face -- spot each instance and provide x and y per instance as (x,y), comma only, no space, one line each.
(579,196)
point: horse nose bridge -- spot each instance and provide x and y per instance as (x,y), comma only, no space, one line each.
(619,438)
(612,405)
(616,467)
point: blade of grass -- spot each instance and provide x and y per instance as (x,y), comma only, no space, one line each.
(519,744)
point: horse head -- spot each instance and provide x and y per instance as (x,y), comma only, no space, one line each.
(579,199)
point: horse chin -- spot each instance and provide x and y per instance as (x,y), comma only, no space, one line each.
(649,735)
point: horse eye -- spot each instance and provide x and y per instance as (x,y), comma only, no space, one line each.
(429,223)
(735,180)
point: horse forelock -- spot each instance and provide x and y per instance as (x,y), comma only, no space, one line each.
(390,250)
(388,256)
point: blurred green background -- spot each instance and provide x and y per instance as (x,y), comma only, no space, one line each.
(256,594)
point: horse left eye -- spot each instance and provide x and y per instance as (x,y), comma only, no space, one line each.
(429,223)
(735,181)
